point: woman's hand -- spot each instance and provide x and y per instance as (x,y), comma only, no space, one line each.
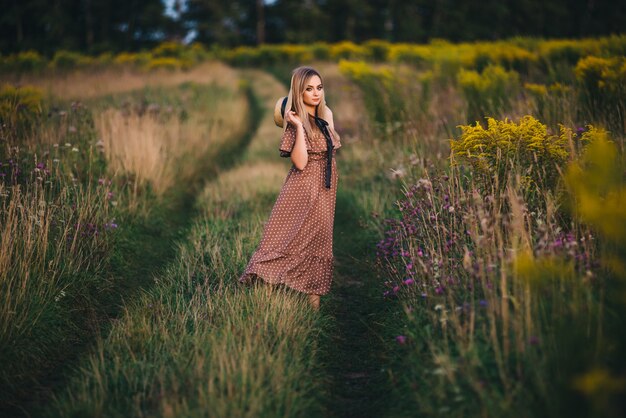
(292,117)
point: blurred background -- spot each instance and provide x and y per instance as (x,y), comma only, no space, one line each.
(96,26)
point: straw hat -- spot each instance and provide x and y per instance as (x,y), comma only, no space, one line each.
(279,111)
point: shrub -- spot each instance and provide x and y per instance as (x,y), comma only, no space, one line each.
(509,56)
(506,148)
(169,50)
(27,61)
(241,56)
(19,107)
(380,90)
(416,55)
(348,51)
(166,63)
(489,92)
(602,86)
(67,60)
(320,51)
(378,49)
(138,60)
(553,104)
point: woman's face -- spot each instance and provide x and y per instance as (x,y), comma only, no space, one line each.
(313,91)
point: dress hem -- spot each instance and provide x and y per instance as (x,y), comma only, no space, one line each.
(254,269)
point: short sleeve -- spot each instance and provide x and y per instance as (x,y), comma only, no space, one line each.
(287,141)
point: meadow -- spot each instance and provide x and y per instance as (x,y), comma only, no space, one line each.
(479,236)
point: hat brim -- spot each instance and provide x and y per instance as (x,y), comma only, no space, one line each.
(279,111)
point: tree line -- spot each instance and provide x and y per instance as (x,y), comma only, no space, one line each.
(95,26)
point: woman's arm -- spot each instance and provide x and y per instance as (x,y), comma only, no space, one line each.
(299,154)
(329,118)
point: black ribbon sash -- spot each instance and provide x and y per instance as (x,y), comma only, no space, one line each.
(323,126)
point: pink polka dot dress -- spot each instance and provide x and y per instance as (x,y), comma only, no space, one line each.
(296,248)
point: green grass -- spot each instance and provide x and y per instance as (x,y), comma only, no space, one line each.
(140,248)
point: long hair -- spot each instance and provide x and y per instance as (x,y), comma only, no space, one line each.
(299,79)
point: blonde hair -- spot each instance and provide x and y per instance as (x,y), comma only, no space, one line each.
(299,78)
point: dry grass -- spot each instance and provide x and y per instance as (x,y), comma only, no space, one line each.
(164,152)
(81,85)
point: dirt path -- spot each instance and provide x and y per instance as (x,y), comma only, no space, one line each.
(354,352)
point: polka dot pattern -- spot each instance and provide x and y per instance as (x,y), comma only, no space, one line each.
(296,247)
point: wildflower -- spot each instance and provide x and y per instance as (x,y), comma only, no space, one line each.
(483,303)
(451,209)
(396,174)
(425,183)
(395,289)
(72,129)
(401,339)
(409,281)
(75,149)
(67,144)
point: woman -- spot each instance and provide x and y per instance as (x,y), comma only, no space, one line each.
(296,247)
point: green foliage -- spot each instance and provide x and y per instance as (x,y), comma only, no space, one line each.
(504,54)
(553,103)
(320,51)
(166,63)
(488,93)
(597,184)
(416,55)
(67,60)
(348,51)
(378,50)
(138,60)
(19,107)
(602,87)
(380,89)
(27,61)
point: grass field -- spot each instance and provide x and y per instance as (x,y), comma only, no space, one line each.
(479,240)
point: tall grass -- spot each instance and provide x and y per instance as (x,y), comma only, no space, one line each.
(487,281)
(63,195)
(159,150)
